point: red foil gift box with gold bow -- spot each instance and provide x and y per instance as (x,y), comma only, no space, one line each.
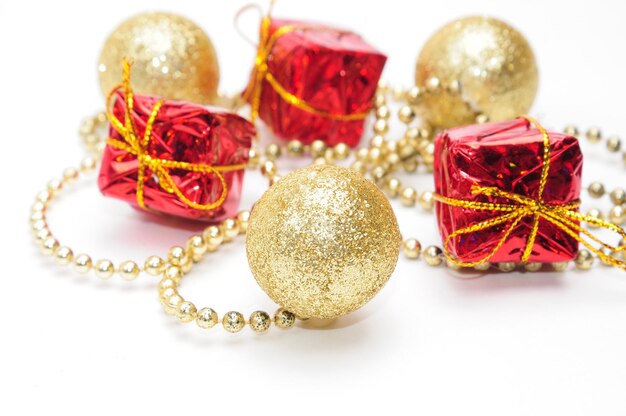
(174,157)
(508,192)
(313,82)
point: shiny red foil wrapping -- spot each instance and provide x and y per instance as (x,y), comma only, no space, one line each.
(507,155)
(182,132)
(331,70)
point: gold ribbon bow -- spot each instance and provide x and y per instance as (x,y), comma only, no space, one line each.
(138,146)
(564,216)
(261,73)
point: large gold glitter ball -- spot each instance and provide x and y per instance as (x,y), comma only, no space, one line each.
(322,241)
(475,65)
(172,58)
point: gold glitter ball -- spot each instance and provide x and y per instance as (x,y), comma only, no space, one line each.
(491,61)
(322,241)
(172,58)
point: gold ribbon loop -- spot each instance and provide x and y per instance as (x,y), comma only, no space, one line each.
(138,147)
(261,73)
(564,216)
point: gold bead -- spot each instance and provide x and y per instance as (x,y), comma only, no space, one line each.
(87,165)
(269,169)
(341,151)
(253,158)
(507,266)
(186,312)
(613,144)
(408,196)
(595,213)
(560,266)
(70,175)
(233,321)
(594,135)
(87,127)
(55,186)
(196,246)
(284,319)
(482,267)
(617,215)
(427,200)
(104,269)
(584,260)
(166,293)
(44,197)
(171,304)
(381,126)
(318,148)
(50,245)
(379,173)
(154,265)
(383,86)
(166,283)
(379,100)
(272,151)
(596,189)
(618,196)
(571,130)
(377,141)
(393,187)
(411,248)
(454,87)
(398,93)
(39,206)
(37,216)
(230,229)
(173,272)
(129,270)
(64,255)
(243,219)
(450,264)
(410,165)
(362,154)
(433,256)
(177,256)
(433,85)
(295,148)
(609,254)
(82,263)
(260,321)
(42,235)
(533,267)
(482,119)
(406,114)
(213,236)
(38,225)
(414,95)
(375,155)
(358,166)
(206,318)
(383,112)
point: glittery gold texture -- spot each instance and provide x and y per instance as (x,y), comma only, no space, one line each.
(564,216)
(322,241)
(173,58)
(492,61)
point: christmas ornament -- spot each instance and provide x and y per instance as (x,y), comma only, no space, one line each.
(322,241)
(509,192)
(174,157)
(173,58)
(313,82)
(475,65)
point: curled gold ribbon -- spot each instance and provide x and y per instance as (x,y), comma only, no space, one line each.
(138,146)
(261,73)
(564,216)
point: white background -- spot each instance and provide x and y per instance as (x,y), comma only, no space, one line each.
(429,344)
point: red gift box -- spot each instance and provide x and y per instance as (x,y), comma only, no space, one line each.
(190,165)
(313,82)
(508,192)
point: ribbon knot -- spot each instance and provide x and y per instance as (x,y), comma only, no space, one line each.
(135,145)
(564,216)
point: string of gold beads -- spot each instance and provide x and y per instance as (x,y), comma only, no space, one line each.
(186,311)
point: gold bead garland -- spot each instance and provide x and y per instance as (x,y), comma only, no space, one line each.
(206,318)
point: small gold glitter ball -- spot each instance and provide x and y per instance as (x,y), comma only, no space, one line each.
(322,241)
(491,61)
(172,58)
